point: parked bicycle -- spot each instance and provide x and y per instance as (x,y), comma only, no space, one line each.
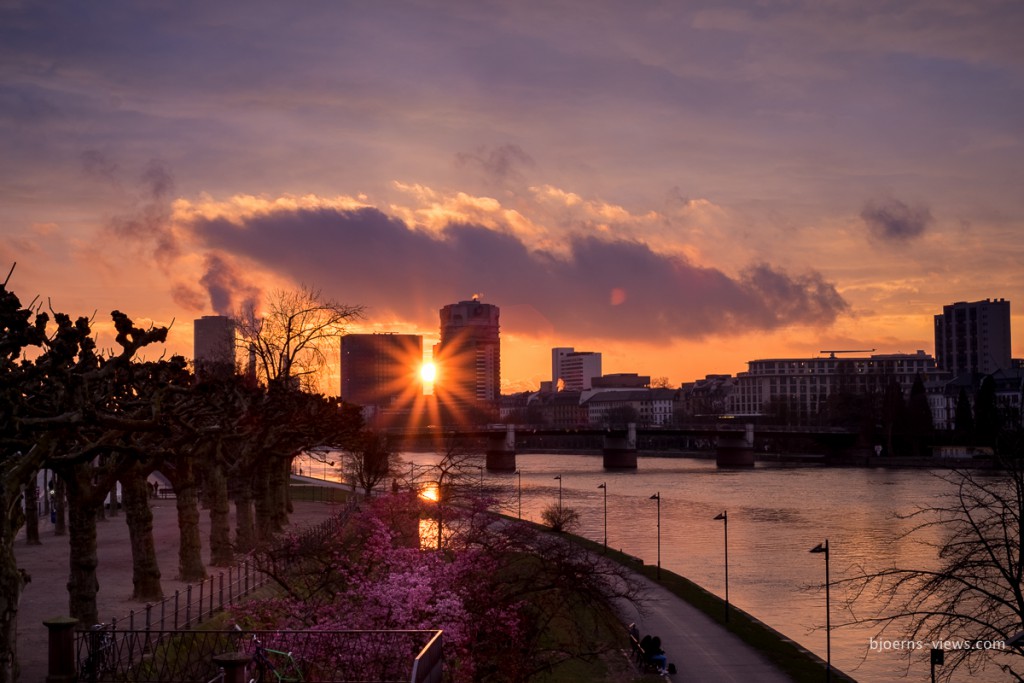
(101,656)
(273,666)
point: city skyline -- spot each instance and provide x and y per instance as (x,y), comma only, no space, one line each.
(681,187)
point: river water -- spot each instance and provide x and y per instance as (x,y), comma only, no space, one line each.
(776,515)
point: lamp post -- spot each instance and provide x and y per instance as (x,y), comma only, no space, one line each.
(605,487)
(724,516)
(823,548)
(559,478)
(481,468)
(657,497)
(938,658)
(519,473)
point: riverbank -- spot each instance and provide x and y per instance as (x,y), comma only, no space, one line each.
(783,654)
(793,459)
(700,649)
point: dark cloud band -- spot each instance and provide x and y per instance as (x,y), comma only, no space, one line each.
(606,288)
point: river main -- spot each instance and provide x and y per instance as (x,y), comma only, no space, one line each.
(776,515)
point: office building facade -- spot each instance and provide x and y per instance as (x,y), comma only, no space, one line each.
(381,370)
(213,346)
(805,384)
(973,338)
(573,370)
(468,356)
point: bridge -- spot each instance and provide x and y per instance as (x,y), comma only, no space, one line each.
(733,442)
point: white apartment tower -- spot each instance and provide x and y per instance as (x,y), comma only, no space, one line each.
(573,370)
(973,337)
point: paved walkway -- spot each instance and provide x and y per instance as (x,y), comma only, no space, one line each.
(701,649)
(48,564)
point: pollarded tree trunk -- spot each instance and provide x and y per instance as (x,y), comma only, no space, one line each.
(262,501)
(221,552)
(82,582)
(289,508)
(12,582)
(279,473)
(245,531)
(145,568)
(32,512)
(190,557)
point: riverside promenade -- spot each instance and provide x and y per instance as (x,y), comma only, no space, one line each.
(46,595)
(700,648)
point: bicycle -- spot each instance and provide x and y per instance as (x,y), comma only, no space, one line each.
(281,666)
(101,658)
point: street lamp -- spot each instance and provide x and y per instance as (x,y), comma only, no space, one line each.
(657,497)
(823,548)
(559,478)
(603,486)
(519,473)
(724,516)
(938,658)
(481,468)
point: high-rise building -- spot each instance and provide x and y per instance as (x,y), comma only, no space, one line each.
(213,339)
(381,370)
(573,370)
(468,357)
(973,337)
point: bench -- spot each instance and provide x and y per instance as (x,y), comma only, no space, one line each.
(644,663)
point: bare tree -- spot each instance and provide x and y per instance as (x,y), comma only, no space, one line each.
(291,339)
(370,460)
(972,604)
(455,481)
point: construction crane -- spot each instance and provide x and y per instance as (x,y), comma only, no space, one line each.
(832,354)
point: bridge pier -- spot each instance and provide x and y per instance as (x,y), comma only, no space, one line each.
(501,450)
(735,449)
(620,448)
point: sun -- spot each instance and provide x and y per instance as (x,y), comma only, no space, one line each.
(428,372)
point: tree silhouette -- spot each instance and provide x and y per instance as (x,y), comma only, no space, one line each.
(919,425)
(369,460)
(987,420)
(963,420)
(975,592)
(63,406)
(290,341)
(893,417)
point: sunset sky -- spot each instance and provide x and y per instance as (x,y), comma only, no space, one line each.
(683,186)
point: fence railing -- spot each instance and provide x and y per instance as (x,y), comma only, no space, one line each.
(160,644)
(104,656)
(200,601)
(184,610)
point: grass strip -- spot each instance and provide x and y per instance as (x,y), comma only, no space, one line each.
(802,665)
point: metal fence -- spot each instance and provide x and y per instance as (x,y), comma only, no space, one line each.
(199,601)
(149,656)
(141,645)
